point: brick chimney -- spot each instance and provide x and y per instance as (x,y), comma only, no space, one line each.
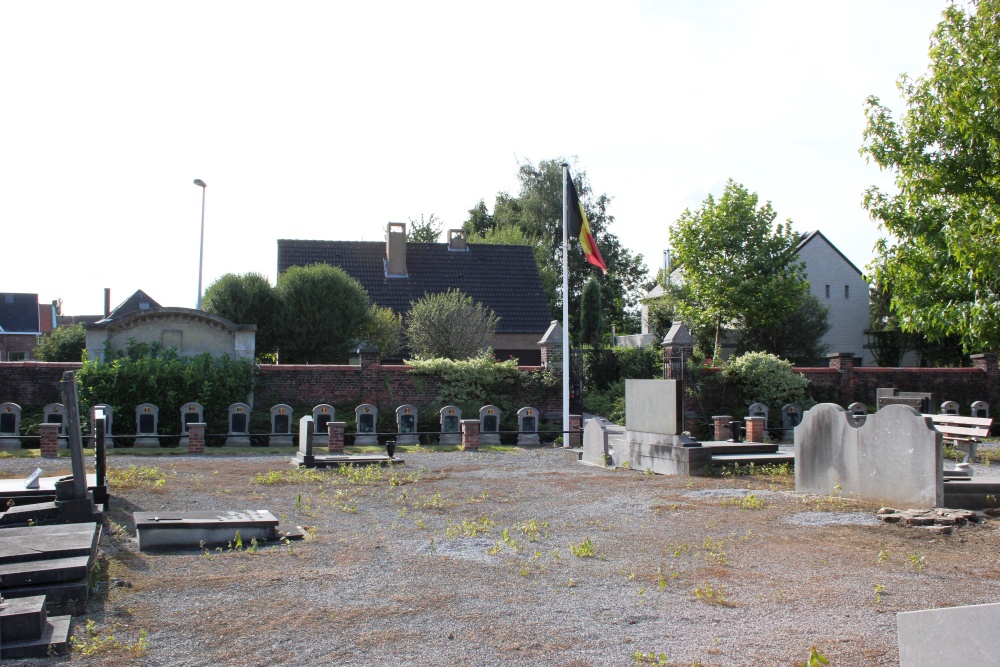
(395,250)
(456,240)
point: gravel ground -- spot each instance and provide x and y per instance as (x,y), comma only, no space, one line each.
(468,559)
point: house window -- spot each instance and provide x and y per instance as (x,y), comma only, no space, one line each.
(827,291)
(17,356)
(847,291)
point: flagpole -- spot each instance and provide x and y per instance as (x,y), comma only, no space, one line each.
(565,300)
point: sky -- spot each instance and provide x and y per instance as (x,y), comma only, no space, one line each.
(327,120)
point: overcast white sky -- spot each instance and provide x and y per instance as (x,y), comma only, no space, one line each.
(326,120)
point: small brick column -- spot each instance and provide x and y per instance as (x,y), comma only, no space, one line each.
(575,436)
(335,437)
(844,362)
(50,440)
(196,438)
(722,430)
(470,435)
(755,429)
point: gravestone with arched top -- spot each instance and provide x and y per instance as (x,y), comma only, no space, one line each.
(949,408)
(322,415)
(451,425)
(147,424)
(859,411)
(281,426)
(980,409)
(55,413)
(191,413)
(239,425)
(366,423)
(527,427)
(406,425)
(489,425)
(10,426)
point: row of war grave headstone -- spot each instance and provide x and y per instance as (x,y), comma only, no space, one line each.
(281,434)
(791,414)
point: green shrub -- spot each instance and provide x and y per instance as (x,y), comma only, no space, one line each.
(62,344)
(762,377)
(603,368)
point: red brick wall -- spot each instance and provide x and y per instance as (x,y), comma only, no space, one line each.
(33,382)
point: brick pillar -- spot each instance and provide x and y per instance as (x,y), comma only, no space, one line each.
(470,435)
(196,438)
(335,437)
(755,429)
(371,383)
(722,430)
(844,362)
(50,440)
(575,436)
(987,362)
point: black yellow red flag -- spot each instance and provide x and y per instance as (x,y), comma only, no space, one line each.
(580,228)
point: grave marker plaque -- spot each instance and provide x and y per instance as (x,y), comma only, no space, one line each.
(281,426)
(322,415)
(191,413)
(406,425)
(451,425)
(489,425)
(10,426)
(146,424)
(527,427)
(239,425)
(980,409)
(366,417)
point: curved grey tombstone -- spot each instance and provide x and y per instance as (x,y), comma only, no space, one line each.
(366,423)
(109,421)
(322,415)
(949,408)
(281,426)
(10,426)
(981,409)
(860,412)
(489,425)
(406,425)
(451,425)
(527,426)
(147,424)
(191,413)
(758,410)
(239,425)
(896,457)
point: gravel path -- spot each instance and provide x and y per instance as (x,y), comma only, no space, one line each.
(482,559)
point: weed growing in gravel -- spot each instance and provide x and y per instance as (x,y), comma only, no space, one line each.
(750,502)
(469,528)
(815,659)
(94,643)
(879,588)
(710,594)
(917,560)
(583,550)
(289,476)
(714,551)
(532,529)
(133,477)
(362,475)
(883,557)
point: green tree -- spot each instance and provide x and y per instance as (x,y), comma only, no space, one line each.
(944,151)
(62,344)
(536,211)
(424,231)
(591,317)
(449,325)
(323,313)
(384,330)
(248,298)
(739,268)
(798,339)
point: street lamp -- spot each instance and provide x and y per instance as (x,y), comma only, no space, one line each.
(201,248)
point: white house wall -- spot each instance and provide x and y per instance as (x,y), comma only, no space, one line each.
(829,274)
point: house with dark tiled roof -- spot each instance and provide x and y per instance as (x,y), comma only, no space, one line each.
(20,326)
(504,278)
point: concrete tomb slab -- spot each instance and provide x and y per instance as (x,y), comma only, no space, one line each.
(895,457)
(239,425)
(26,631)
(952,637)
(595,444)
(188,530)
(651,406)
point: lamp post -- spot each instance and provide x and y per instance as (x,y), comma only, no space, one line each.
(201,247)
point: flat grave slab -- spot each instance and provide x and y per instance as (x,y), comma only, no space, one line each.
(34,573)
(40,543)
(22,618)
(54,640)
(187,530)
(332,460)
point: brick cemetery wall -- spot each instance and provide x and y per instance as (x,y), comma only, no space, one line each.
(33,383)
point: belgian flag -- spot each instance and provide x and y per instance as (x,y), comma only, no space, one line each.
(580,228)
